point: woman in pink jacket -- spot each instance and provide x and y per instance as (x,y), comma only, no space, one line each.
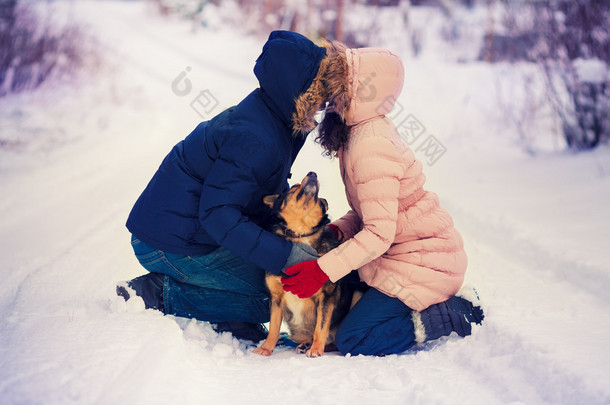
(398,237)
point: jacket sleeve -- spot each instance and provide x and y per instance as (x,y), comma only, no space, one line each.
(377,169)
(349,224)
(238,174)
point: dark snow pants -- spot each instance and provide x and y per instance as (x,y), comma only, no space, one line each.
(377,324)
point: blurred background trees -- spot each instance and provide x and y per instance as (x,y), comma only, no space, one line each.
(559,46)
(566,40)
(570,42)
(32,50)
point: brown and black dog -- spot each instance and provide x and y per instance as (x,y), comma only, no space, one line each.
(300,216)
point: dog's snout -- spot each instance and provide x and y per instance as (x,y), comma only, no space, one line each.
(309,186)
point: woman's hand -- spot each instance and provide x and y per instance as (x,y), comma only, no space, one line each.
(338,233)
(304,279)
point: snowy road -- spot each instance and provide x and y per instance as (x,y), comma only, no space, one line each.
(536,229)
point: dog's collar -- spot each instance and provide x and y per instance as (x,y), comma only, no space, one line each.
(293,235)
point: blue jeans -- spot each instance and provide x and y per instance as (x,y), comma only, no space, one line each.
(377,324)
(217,287)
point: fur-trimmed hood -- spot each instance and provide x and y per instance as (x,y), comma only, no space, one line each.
(362,83)
(331,85)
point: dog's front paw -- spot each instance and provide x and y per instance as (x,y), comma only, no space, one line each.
(263,351)
(303,348)
(315,351)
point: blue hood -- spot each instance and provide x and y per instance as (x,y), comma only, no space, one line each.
(285,69)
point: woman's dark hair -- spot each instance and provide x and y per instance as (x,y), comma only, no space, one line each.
(333,133)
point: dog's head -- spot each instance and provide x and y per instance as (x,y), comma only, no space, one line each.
(299,209)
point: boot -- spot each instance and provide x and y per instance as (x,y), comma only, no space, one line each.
(454,315)
(243,330)
(149,287)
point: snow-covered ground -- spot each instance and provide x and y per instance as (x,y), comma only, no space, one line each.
(537,231)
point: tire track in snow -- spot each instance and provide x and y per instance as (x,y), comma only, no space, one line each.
(129,26)
(10,302)
(525,253)
(532,340)
(519,371)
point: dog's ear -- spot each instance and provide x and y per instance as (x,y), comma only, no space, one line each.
(324,205)
(269,200)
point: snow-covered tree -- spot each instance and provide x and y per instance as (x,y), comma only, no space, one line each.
(32,51)
(573,49)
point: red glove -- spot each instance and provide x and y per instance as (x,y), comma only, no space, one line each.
(336,231)
(304,279)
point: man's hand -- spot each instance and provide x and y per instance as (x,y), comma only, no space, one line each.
(304,279)
(300,253)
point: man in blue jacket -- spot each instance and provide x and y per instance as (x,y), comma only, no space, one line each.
(196,227)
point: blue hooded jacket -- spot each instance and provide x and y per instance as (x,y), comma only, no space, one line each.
(208,191)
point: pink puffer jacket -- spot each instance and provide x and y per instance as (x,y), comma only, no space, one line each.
(396,234)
